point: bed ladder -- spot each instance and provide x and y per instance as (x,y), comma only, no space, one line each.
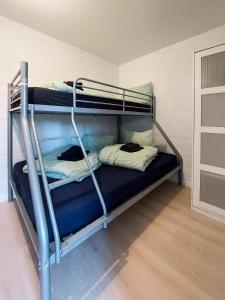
(91,172)
(48,187)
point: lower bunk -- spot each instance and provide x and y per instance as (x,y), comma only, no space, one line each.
(77,205)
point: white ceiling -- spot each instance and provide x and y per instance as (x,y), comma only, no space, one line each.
(117,30)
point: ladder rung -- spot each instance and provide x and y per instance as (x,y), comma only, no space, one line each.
(66,180)
(16,100)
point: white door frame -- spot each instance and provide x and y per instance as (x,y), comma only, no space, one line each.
(197,205)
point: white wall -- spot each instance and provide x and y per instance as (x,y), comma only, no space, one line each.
(49,59)
(171,71)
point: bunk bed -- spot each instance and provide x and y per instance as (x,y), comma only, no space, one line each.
(61,214)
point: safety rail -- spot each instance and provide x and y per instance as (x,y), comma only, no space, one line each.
(137,95)
(14,89)
(124,98)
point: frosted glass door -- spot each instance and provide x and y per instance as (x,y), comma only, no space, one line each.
(209,133)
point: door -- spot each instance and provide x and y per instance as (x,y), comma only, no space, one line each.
(209,133)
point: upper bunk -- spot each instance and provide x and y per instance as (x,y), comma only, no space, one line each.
(84,96)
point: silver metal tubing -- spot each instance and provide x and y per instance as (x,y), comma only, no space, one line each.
(123,100)
(75,93)
(17,88)
(15,108)
(89,166)
(39,212)
(76,85)
(113,104)
(16,85)
(180,159)
(25,216)
(53,109)
(110,85)
(118,127)
(16,100)
(15,77)
(133,106)
(40,218)
(14,94)
(111,92)
(75,240)
(123,207)
(47,190)
(10,146)
(62,182)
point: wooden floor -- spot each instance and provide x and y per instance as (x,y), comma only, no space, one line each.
(158,249)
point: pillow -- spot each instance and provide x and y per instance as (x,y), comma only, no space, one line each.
(61,169)
(144,138)
(97,142)
(113,156)
(145,89)
(58,86)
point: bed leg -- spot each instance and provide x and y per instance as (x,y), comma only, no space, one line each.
(180,177)
(45,285)
(118,129)
(37,201)
(9,150)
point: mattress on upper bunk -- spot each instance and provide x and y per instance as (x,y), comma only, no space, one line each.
(77,204)
(44,96)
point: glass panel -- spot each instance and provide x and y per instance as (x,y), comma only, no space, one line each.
(213,110)
(212,189)
(213,149)
(213,70)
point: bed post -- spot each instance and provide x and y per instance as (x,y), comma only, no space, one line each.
(40,219)
(118,128)
(169,142)
(9,145)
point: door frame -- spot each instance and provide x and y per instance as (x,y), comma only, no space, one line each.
(197,205)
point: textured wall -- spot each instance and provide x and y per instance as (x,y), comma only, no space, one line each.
(49,59)
(171,71)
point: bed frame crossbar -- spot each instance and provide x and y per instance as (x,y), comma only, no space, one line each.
(18,102)
(135,95)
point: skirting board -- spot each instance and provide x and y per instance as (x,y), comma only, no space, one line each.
(3,198)
(209,215)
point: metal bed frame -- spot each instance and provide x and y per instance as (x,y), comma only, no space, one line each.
(18,103)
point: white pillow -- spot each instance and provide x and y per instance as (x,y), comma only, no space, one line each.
(144,138)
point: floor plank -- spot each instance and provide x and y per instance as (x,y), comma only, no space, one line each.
(158,249)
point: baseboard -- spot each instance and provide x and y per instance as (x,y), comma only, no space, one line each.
(185,183)
(213,216)
(3,198)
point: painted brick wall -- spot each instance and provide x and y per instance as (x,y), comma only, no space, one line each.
(49,59)
(171,71)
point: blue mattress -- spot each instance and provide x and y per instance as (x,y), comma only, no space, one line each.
(43,96)
(77,205)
